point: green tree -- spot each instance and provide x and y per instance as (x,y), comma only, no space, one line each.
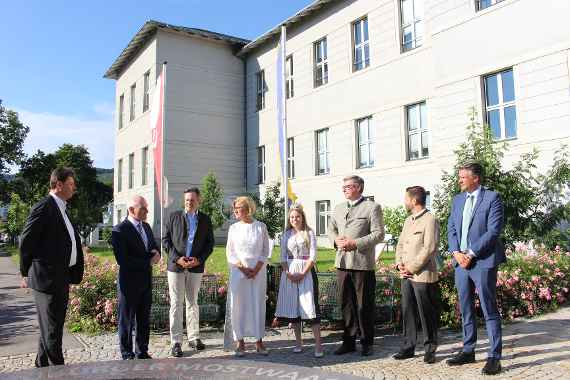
(90,201)
(212,203)
(17,214)
(271,209)
(533,203)
(394,218)
(87,205)
(12,136)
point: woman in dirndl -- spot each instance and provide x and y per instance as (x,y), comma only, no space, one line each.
(299,288)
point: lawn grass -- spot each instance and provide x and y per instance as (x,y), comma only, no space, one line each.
(217,262)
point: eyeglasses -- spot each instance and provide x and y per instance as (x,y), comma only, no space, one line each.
(347,187)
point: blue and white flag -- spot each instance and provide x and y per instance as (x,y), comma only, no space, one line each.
(282,114)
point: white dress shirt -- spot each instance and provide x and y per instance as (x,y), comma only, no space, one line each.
(475,195)
(136,223)
(61,204)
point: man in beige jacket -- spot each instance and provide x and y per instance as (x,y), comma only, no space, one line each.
(355,228)
(416,254)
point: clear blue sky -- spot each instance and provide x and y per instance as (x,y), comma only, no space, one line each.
(54,54)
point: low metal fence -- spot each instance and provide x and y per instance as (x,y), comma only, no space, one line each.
(213,291)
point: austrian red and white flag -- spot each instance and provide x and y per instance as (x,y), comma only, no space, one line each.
(156,124)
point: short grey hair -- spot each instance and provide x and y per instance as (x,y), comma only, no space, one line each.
(137,201)
(359,180)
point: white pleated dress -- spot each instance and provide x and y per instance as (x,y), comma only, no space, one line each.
(247,243)
(298,300)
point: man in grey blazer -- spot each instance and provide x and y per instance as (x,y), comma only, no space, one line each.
(355,228)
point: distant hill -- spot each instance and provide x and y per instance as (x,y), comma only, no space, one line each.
(105,176)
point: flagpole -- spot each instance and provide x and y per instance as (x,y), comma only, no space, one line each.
(162,155)
(285,142)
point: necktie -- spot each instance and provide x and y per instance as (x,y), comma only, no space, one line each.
(467,214)
(143,236)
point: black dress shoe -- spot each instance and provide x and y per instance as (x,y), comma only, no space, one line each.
(367,350)
(429,357)
(197,345)
(402,355)
(462,358)
(176,350)
(492,367)
(144,355)
(130,356)
(344,349)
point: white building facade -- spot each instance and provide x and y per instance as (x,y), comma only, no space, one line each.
(377,88)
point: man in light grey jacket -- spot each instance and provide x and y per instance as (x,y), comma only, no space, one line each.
(355,228)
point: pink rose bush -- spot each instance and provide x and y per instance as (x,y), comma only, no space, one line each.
(93,303)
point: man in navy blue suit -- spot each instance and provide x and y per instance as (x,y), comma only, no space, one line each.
(136,251)
(473,232)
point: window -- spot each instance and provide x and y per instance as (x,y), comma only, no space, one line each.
(144,166)
(261,164)
(417,131)
(323,154)
(100,231)
(368,198)
(121,110)
(131,170)
(291,157)
(321,67)
(289,87)
(260,85)
(428,200)
(482,4)
(360,46)
(323,216)
(366,139)
(119,216)
(412,27)
(120,176)
(132,106)
(146,96)
(500,108)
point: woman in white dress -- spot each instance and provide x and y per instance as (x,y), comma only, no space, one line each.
(247,252)
(299,289)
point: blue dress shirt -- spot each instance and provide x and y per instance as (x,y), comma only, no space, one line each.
(192,221)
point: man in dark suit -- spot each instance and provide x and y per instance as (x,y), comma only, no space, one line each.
(136,251)
(473,232)
(189,239)
(50,259)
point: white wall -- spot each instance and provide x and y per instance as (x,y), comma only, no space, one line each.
(460,46)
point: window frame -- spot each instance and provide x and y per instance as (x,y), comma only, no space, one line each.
(479,8)
(325,153)
(261,165)
(146,89)
(364,45)
(131,174)
(501,105)
(370,143)
(326,213)
(291,158)
(144,166)
(121,111)
(419,131)
(260,86)
(320,46)
(119,175)
(133,103)
(289,77)
(414,21)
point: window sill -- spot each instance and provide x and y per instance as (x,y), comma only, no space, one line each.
(417,49)
(418,159)
(504,140)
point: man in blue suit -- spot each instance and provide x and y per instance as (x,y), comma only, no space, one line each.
(473,233)
(136,251)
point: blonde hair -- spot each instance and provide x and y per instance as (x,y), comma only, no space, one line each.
(304,227)
(246,202)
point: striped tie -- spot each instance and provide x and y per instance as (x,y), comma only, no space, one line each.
(143,235)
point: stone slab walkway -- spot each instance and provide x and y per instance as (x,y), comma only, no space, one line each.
(536,348)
